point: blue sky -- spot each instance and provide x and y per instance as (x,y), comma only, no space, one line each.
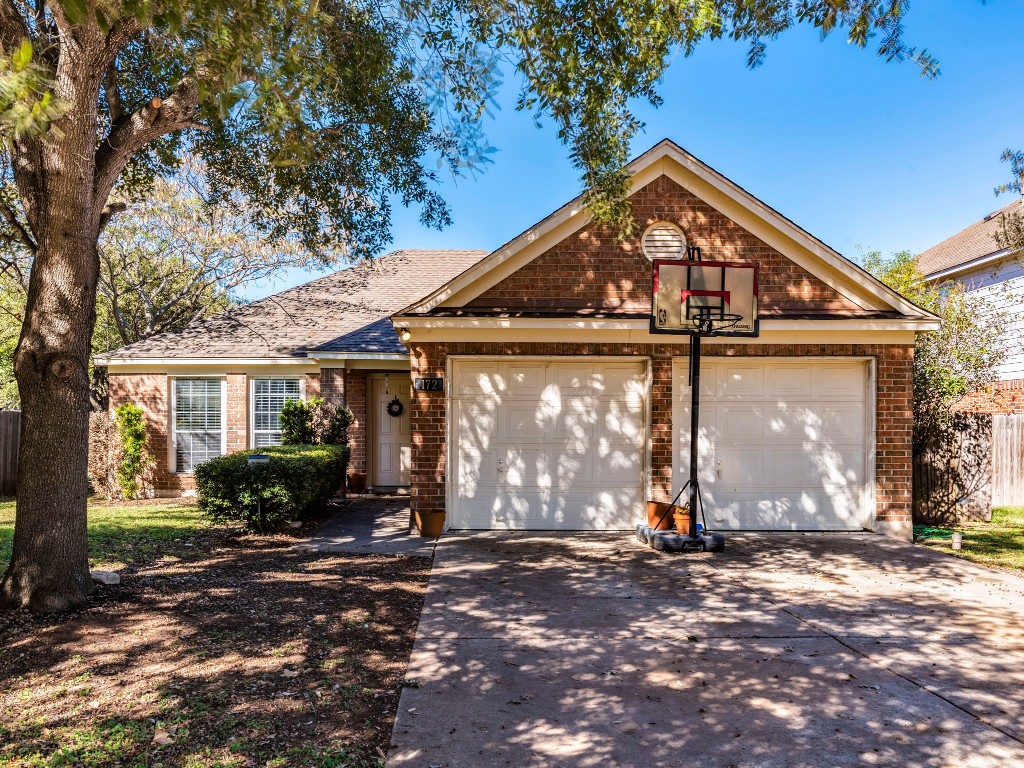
(862,153)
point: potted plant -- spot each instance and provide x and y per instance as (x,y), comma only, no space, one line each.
(430,524)
(659,515)
(681,515)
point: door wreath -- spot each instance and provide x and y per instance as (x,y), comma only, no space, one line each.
(395,408)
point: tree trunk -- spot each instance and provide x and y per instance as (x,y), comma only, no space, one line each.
(49,569)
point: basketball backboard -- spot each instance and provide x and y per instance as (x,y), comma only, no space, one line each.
(712,298)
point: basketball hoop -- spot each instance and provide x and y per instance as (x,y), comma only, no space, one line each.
(711,321)
(699,298)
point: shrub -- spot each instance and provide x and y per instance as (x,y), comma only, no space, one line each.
(131,430)
(104,454)
(120,467)
(297,479)
(314,422)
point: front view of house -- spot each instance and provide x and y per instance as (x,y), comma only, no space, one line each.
(531,393)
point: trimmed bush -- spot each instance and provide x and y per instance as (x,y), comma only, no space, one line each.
(314,422)
(297,479)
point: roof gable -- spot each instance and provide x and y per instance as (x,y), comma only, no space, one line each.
(592,271)
(849,281)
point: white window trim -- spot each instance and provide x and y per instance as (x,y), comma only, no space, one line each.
(252,400)
(172,443)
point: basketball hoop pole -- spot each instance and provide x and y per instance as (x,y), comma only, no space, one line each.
(694,423)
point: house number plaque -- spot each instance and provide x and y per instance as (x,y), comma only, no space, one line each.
(428,385)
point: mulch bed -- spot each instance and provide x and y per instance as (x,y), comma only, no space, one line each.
(230,652)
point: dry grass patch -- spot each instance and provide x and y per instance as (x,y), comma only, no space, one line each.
(214,651)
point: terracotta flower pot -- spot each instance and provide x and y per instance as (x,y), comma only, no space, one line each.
(682,518)
(430,524)
(357,481)
(659,515)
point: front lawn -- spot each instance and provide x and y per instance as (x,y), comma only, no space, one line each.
(128,533)
(999,543)
(215,650)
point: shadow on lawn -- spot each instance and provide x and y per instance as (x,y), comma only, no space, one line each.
(785,651)
(264,654)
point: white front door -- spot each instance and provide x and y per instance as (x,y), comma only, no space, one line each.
(783,444)
(391,441)
(548,444)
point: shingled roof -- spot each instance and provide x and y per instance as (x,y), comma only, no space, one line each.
(345,311)
(976,241)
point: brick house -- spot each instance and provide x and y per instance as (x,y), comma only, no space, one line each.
(974,259)
(535,395)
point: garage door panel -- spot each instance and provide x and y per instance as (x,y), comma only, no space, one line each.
(527,422)
(790,381)
(731,381)
(479,378)
(572,377)
(545,510)
(793,456)
(792,511)
(844,382)
(524,378)
(569,454)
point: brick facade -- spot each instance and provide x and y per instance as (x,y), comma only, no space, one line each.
(152,393)
(894,418)
(355,401)
(592,267)
(1000,397)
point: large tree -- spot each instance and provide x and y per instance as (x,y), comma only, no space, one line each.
(322,111)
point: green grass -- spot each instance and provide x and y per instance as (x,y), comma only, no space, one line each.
(999,543)
(121,535)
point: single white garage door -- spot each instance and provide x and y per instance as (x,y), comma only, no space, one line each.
(548,444)
(783,443)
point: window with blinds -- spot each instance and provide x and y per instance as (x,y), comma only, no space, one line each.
(268,398)
(198,422)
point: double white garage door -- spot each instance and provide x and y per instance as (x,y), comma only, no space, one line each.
(564,444)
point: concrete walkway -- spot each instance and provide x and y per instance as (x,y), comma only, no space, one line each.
(371,525)
(788,651)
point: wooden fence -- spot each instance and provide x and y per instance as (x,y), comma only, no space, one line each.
(10,424)
(953,476)
(1008,460)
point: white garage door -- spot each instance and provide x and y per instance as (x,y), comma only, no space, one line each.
(548,444)
(783,444)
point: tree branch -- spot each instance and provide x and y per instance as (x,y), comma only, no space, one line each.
(13,28)
(112,92)
(20,232)
(156,118)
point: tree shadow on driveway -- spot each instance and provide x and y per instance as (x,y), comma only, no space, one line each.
(788,650)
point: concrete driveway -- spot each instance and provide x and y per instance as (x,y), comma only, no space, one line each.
(788,650)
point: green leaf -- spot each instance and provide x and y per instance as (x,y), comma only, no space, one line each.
(23,56)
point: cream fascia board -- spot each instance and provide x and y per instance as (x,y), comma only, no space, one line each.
(198,361)
(669,159)
(414,322)
(136,363)
(359,356)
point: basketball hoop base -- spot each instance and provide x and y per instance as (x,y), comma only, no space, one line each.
(670,541)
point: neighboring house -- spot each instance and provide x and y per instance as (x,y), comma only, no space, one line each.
(972,258)
(541,398)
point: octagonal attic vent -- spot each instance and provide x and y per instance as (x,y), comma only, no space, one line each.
(663,240)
